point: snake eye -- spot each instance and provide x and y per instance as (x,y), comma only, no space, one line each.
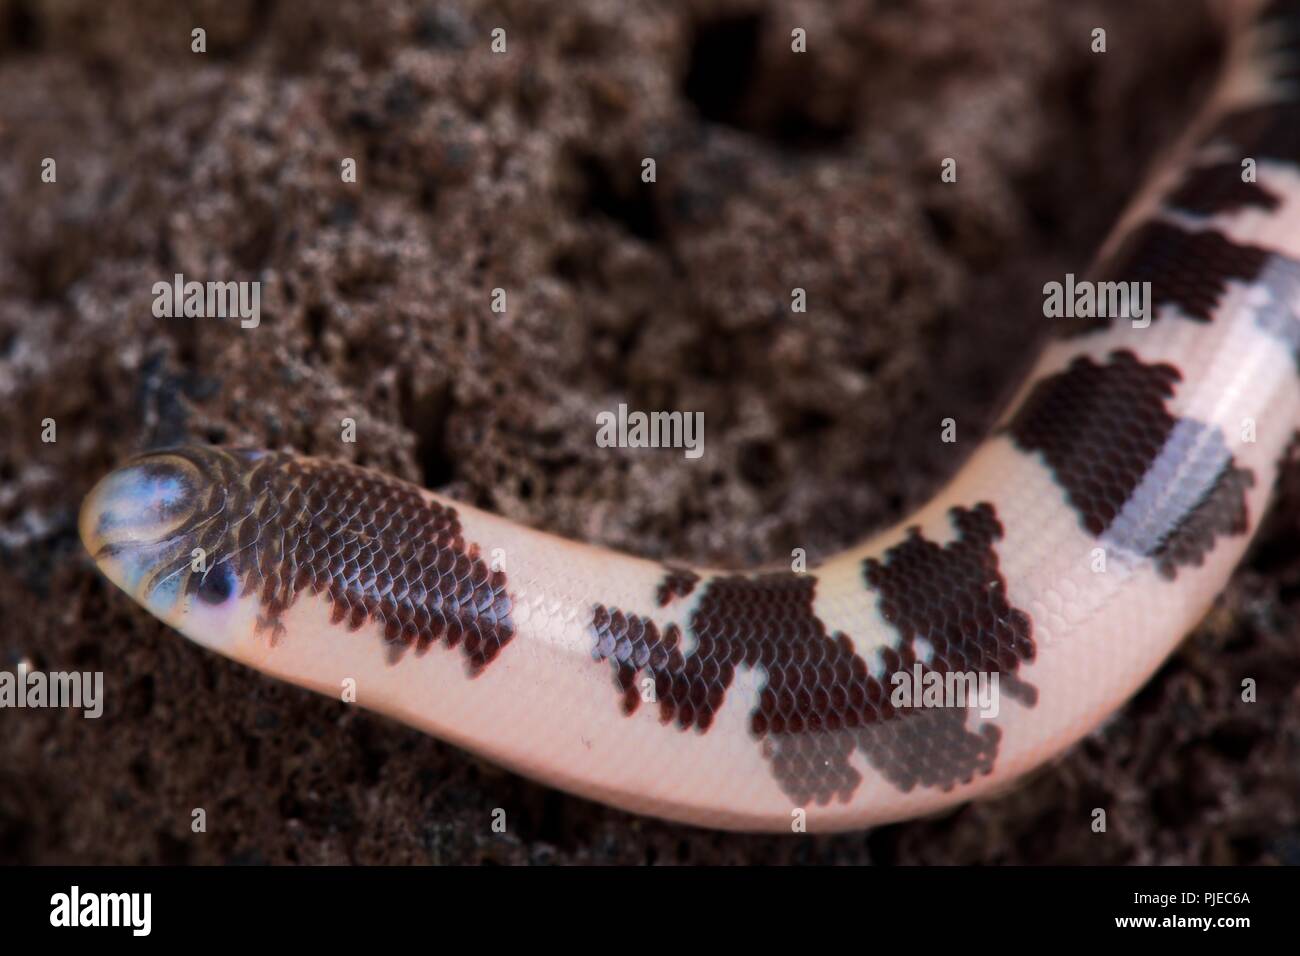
(217,585)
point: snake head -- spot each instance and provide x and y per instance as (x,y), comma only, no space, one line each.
(158,528)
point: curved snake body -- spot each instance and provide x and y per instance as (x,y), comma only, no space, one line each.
(1037,591)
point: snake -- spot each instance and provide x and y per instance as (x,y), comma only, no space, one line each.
(939,661)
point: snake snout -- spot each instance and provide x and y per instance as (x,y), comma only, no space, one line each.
(139,504)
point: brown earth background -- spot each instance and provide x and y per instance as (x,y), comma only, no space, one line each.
(522,171)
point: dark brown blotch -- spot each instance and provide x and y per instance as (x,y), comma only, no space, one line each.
(820,702)
(1216,188)
(1136,476)
(1187,268)
(676,583)
(371,545)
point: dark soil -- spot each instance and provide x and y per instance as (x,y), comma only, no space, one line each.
(522,171)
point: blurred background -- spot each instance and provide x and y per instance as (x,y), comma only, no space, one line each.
(521,171)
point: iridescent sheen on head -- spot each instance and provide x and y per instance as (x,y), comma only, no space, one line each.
(150,523)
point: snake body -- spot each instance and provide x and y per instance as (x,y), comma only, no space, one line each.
(1057,570)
